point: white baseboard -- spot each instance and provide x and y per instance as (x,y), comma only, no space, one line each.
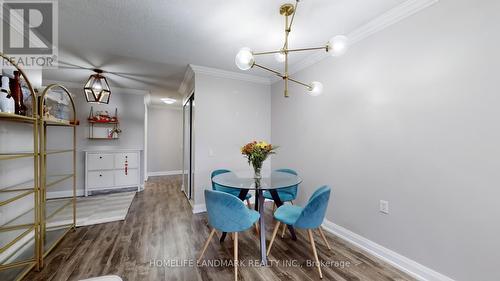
(199,208)
(64,194)
(164,173)
(403,263)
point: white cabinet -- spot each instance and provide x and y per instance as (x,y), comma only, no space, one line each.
(132,159)
(99,179)
(126,178)
(106,170)
(100,161)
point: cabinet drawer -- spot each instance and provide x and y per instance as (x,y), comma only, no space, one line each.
(131,178)
(100,161)
(132,159)
(100,179)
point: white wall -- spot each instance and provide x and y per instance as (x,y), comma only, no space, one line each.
(228,114)
(164,139)
(409,115)
(131,115)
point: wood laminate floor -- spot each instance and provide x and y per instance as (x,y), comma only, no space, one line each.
(160,240)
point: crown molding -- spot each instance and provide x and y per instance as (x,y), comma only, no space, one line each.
(380,23)
(147,99)
(229,74)
(188,76)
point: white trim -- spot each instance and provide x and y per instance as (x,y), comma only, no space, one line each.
(229,74)
(401,262)
(380,23)
(188,76)
(147,102)
(166,106)
(199,208)
(112,150)
(165,173)
(64,193)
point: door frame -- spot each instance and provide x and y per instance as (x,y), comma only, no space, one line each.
(190,171)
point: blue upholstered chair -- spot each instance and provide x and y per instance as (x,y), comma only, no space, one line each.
(286,194)
(309,217)
(227,213)
(233,191)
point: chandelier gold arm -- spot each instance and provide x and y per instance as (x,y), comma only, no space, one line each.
(285,77)
(290,50)
(300,83)
(270,70)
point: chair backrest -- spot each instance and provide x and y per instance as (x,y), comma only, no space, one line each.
(292,190)
(217,186)
(226,212)
(314,212)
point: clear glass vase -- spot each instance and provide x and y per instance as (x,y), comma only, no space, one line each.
(257,174)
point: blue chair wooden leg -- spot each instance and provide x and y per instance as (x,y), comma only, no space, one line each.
(275,231)
(236,256)
(283,231)
(206,244)
(313,246)
(324,238)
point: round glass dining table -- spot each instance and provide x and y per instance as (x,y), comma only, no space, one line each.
(272,182)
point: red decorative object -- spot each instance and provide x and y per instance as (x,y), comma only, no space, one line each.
(102,117)
(17,94)
(126,165)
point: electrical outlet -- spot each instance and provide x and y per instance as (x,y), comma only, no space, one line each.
(384,207)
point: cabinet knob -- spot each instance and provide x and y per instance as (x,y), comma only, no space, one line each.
(100,175)
(100,157)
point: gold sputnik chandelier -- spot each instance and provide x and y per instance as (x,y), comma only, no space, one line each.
(245,59)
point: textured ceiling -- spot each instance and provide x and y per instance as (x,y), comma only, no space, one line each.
(149,43)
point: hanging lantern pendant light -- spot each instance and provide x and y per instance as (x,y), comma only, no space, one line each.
(97,88)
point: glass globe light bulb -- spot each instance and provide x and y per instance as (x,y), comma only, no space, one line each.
(316,89)
(338,45)
(279,57)
(244,59)
(97,85)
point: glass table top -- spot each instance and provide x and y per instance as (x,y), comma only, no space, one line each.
(245,180)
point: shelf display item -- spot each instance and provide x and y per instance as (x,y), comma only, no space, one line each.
(6,101)
(17,95)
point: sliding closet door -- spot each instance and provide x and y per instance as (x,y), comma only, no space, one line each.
(188,170)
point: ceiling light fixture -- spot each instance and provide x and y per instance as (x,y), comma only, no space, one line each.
(97,88)
(337,46)
(168,100)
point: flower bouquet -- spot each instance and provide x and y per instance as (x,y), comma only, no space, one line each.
(256,153)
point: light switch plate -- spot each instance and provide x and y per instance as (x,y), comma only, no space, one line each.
(384,207)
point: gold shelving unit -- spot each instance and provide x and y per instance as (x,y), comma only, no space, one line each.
(19,241)
(51,231)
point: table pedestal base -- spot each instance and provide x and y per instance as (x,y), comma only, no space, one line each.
(259,206)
